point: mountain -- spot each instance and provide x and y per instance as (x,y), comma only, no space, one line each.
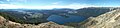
(40,16)
(91,17)
(9,24)
(93,11)
(108,20)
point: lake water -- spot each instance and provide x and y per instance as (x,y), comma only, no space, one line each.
(62,20)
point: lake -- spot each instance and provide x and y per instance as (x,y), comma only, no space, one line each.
(65,19)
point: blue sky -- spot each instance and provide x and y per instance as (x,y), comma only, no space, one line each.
(48,4)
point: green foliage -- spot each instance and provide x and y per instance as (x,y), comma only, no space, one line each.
(33,19)
(11,18)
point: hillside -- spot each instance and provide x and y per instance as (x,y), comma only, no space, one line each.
(107,20)
(93,11)
(9,24)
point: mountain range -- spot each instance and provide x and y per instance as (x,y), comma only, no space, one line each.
(91,17)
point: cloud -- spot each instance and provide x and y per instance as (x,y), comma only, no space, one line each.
(77,5)
(72,6)
(56,3)
(21,0)
(7,0)
(16,0)
(3,1)
(9,6)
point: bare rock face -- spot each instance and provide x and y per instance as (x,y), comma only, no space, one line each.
(9,24)
(107,20)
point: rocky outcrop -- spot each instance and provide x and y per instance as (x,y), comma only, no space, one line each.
(107,20)
(9,24)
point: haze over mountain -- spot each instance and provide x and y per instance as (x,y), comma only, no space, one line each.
(50,4)
(59,13)
(60,18)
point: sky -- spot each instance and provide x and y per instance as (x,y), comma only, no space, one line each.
(49,4)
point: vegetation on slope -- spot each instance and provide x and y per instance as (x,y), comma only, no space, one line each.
(11,18)
(33,19)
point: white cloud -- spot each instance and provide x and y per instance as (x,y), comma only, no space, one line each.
(22,0)
(56,3)
(8,0)
(9,6)
(77,5)
(17,0)
(73,6)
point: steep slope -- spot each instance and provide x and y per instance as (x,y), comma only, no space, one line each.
(9,24)
(93,11)
(107,20)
